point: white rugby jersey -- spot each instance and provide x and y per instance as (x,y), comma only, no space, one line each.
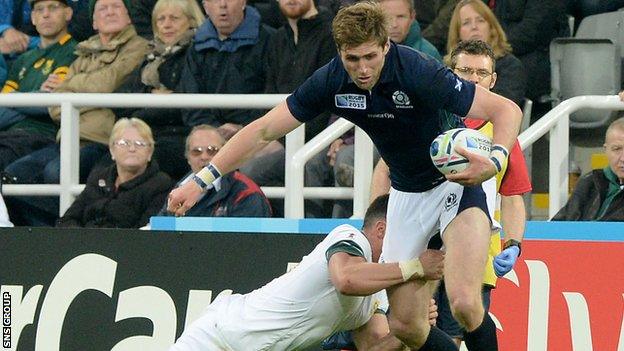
(300,308)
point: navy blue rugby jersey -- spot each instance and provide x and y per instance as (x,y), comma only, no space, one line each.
(408,107)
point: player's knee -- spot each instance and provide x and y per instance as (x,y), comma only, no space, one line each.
(409,330)
(466,309)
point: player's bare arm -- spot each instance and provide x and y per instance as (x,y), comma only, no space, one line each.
(352,275)
(243,145)
(506,116)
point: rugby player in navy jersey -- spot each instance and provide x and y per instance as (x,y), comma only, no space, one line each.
(400,98)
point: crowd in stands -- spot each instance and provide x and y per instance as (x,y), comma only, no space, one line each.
(216,46)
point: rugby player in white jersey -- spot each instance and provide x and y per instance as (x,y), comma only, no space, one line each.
(335,287)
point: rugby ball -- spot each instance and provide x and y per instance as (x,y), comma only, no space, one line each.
(442,150)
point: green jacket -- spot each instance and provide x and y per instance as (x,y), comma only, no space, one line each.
(32,68)
(415,40)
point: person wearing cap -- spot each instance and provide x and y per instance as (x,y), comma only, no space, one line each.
(104,61)
(40,69)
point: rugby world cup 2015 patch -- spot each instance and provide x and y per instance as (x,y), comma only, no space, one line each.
(354,101)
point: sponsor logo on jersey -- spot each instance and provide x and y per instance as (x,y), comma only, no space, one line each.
(381,115)
(458,84)
(354,101)
(450,202)
(401,100)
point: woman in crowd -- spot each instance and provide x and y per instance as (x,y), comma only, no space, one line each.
(127,193)
(473,19)
(174,23)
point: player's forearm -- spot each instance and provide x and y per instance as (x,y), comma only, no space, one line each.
(368,278)
(513,216)
(254,137)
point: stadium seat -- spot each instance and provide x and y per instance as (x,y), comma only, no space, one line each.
(582,66)
(609,25)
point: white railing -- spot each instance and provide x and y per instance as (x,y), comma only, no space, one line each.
(69,187)
(556,122)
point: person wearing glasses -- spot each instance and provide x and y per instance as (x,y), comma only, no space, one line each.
(237,196)
(127,193)
(473,20)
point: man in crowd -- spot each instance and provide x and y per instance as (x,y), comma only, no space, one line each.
(228,56)
(599,194)
(40,69)
(44,67)
(336,287)
(238,195)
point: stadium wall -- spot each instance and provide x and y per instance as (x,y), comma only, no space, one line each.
(88,289)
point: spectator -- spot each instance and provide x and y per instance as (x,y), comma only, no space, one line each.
(237,195)
(599,194)
(228,57)
(297,49)
(174,23)
(404,29)
(530,26)
(473,20)
(434,17)
(104,61)
(24,130)
(142,16)
(126,194)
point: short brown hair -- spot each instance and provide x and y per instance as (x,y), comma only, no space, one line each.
(474,48)
(359,24)
(497,40)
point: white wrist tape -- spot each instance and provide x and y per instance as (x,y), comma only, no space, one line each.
(411,268)
(207,175)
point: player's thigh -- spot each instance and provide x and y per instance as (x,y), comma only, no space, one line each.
(409,302)
(411,220)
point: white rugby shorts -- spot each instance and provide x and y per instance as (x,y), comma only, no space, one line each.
(413,218)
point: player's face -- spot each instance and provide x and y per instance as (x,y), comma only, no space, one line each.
(110,17)
(131,151)
(295,9)
(50,17)
(473,25)
(364,63)
(202,147)
(171,23)
(400,18)
(225,15)
(614,148)
(477,69)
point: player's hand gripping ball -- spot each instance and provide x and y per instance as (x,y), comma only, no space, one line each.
(444,156)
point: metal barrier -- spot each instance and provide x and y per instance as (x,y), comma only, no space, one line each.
(556,122)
